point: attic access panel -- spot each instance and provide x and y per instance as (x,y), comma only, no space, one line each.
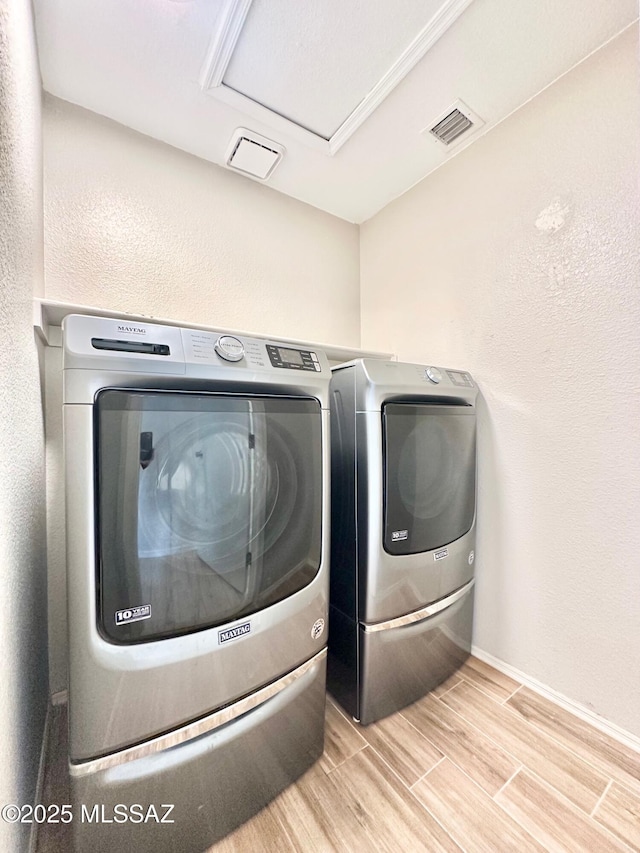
(318,70)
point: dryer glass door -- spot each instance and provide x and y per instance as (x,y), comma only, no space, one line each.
(429,475)
(208,508)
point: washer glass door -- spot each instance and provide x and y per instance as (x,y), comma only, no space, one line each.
(429,475)
(208,508)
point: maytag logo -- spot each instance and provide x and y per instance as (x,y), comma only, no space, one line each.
(132,330)
(234,633)
(440,555)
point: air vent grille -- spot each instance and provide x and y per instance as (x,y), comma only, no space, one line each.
(252,142)
(451,127)
(252,154)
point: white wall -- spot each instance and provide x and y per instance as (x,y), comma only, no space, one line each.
(520,261)
(23,614)
(134,225)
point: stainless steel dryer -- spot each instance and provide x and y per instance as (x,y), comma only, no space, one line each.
(403,467)
(197,550)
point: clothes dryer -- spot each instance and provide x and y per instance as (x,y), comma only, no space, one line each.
(403,463)
(197,563)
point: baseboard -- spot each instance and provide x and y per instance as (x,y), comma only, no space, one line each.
(33,835)
(598,722)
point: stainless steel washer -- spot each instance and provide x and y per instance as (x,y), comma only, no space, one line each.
(403,463)
(197,546)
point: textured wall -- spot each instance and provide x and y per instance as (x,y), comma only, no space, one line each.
(135,225)
(23,622)
(520,261)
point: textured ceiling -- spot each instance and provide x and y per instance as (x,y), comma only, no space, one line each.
(140,62)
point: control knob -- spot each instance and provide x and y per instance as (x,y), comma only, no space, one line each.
(229,348)
(433,374)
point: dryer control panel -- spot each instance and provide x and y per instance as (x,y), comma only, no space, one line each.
(460,378)
(443,376)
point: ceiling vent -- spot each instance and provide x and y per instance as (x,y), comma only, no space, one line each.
(457,120)
(253,155)
(451,127)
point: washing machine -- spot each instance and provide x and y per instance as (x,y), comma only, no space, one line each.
(403,467)
(197,472)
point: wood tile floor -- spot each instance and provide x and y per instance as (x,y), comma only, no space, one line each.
(482,765)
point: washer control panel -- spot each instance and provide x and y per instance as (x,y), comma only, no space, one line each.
(293,359)
(245,353)
(133,345)
(229,348)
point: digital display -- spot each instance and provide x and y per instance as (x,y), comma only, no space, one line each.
(293,356)
(293,359)
(460,378)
